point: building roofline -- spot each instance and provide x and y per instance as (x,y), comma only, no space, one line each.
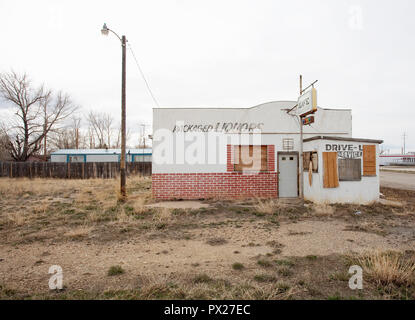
(342,139)
(101,151)
(242,108)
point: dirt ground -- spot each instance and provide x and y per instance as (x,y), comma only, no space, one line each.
(211,249)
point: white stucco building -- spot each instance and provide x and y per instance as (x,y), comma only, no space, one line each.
(354,175)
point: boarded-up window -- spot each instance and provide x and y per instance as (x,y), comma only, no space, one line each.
(369,160)
(250,158)
(350,169)
(330,176)
(314,159)
(310,157)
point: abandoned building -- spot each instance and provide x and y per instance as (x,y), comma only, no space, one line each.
(203,153)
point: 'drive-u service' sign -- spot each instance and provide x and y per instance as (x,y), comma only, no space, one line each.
(307,102)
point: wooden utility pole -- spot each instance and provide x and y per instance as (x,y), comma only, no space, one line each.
(123,120)
(105,30)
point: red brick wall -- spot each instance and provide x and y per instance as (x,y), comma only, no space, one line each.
(231,184)
(211,185)
(271,157)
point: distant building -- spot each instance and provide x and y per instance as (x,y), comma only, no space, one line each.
(397,159)
(100,155)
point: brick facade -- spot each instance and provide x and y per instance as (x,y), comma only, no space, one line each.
(271,157)
(230,184)
(214,185)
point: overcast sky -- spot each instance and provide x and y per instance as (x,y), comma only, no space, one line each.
(223,54)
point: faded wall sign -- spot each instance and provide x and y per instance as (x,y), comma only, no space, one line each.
(227,127)
(346,150)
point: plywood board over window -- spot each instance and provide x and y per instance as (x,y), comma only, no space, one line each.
(250,158)
(369,160)
(330,175)
(350,169)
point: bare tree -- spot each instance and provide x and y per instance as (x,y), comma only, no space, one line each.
(69,137)
(4,141)
(96,125)
(91,138)
(76,126)
(118,140)
(55,109)
(108,129)
(100,129)
(38,112)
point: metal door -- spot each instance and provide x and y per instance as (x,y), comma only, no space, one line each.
(288,175)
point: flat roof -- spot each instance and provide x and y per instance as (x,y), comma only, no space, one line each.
(342,139)
(102,151)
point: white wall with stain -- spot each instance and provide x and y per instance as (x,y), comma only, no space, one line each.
(195,126)
(365,191)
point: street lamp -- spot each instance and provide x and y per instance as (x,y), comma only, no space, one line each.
(105,30)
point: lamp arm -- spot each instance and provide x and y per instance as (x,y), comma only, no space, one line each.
(115,34)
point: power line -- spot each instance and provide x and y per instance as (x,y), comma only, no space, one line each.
(142,75)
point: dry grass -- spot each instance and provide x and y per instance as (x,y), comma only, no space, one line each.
(102,192)
(323,210)
(41,208)
(268,206)
(28,206)
(124,217)
(385,268)
(217,241)
(16,218)
(138,204)
(87,212)
(24,187)
(79,232)
(367,226)
(93,216)
(163,216)
(206,287)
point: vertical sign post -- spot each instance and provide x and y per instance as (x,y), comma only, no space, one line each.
(301,180)
(307,104)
